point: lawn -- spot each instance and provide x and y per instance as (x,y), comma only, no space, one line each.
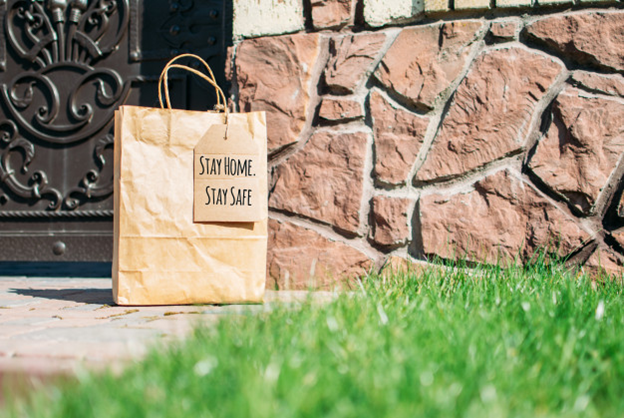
(518,342)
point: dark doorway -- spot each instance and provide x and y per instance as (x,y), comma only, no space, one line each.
(65,66)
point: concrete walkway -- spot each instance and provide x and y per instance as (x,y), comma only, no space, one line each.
(52,326)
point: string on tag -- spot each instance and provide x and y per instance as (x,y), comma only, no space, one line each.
(219,107)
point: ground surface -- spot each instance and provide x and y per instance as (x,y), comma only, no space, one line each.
(450,342)
(59,326)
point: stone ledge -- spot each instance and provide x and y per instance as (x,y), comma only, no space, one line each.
(471,4)
(385,12)
(253,18)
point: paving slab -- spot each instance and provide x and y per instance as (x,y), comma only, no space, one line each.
(60,326)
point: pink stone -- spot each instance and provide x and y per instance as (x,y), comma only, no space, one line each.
(619,236)
(620,208)
(587,37)
(612,84)
(505,29)
(300,258)
(503,219)
(395,265)
(604,263)
(331,14)
(341,109)
(490,114)
(390,223)
(399,135)
(423,61)
(351,59)
(324,180)
(581,148)
(274,74)
(229,58)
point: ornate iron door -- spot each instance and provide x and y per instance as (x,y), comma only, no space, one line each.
(65,66)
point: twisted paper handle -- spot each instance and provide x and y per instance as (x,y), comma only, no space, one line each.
(164,80)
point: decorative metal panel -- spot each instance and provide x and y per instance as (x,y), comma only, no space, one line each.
(65,66)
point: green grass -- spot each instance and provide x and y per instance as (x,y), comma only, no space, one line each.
(533,342)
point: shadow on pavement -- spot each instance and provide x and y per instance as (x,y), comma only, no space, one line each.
(94,296)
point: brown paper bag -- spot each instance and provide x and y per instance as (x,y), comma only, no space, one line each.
(160,255)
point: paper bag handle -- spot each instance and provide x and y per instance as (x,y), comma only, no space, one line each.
(164,79)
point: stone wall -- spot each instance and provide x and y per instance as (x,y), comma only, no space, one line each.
(403,131)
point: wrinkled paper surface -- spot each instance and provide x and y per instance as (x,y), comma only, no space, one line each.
(160,256)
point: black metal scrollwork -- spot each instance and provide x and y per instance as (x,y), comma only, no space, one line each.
(38,183)
(89,187)
(62,98)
